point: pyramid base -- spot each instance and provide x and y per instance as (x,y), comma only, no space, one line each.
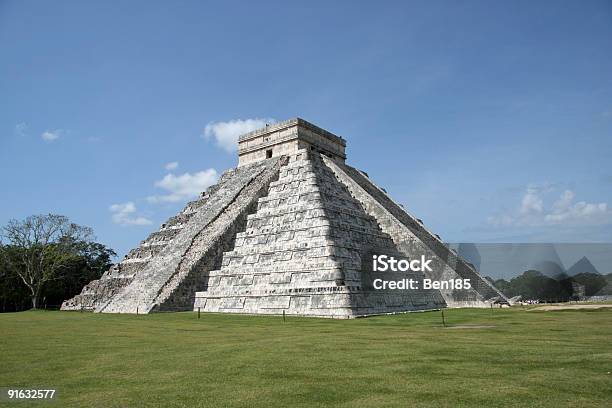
(345,304)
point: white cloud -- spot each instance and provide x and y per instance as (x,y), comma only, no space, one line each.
(171,166)
(21,128)
(226,133)
(565,201)
(51,135)
(124,214)
(532,202)
(184,186)
(563,211)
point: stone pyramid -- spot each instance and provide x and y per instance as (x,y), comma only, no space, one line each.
(291,230)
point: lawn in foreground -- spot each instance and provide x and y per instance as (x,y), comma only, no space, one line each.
(536,358)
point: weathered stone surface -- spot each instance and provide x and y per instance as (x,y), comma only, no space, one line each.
(147,278)
(292,234)
(413,239)
(185,259)
(285,138)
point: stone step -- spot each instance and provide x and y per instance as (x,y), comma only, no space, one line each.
(160,274)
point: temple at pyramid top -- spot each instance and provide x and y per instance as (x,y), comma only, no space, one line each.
(286,138)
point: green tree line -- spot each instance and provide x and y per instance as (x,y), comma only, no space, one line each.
(45,259)
(534,285)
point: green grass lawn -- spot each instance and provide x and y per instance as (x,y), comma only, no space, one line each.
(527,359)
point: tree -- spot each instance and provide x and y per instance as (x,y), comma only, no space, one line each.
(94,259)
(503,286)
(607,290)
(13,293)
(533,284)
(45,245)
(593,282)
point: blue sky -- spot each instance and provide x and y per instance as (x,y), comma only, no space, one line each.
(491,121)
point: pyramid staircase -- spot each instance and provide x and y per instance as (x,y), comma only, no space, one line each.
(165,268)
